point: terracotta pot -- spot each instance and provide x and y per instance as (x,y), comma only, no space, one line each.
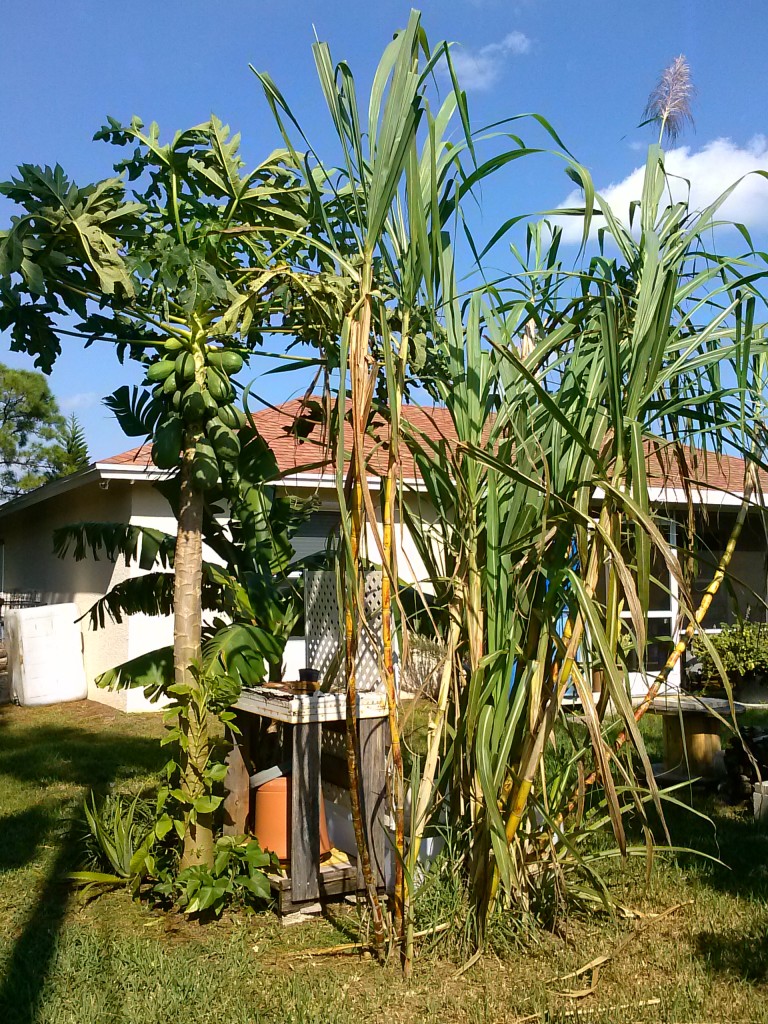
(272,818)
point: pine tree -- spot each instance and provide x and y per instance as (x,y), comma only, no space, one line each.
(69,453)
(29,424)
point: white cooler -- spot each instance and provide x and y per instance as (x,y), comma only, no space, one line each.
(45,654)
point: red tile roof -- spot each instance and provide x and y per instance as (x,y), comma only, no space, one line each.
(141,456)
(296,437)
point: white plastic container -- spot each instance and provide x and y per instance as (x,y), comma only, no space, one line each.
(760,801)
(341,832)
(45,654)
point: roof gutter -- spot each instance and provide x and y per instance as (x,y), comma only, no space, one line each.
(709,496)
(131,471)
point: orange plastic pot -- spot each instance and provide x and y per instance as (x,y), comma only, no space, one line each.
(272,818)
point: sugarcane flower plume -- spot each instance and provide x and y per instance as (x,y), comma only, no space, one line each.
(670,102)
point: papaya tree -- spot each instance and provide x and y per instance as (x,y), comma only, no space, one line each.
(182,275)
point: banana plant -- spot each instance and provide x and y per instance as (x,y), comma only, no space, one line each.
(182,276)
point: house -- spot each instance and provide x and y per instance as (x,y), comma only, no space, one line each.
(120,489)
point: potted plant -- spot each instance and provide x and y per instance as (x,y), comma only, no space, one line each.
(743,651)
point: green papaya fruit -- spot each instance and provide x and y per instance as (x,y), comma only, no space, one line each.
(193,404)
(166,450)
(211,405)
(173,345)
(171,383)
(231,416)
(185,366)
(157,372)
(225,442)
(226,360)
(218,385)
(205,467)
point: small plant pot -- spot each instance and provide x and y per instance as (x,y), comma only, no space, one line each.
(272,818)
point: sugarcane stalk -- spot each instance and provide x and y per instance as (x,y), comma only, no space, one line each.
(533,747)
(709,595)
(353,741)
(681,646)
(353,599)
(387,576)
(426,784)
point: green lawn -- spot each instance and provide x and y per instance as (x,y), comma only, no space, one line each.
(114,962)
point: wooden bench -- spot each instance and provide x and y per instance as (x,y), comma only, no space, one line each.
(692,733)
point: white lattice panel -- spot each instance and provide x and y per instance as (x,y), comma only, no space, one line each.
(325,630)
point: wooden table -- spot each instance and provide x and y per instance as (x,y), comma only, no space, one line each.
(692,733)
(298,740)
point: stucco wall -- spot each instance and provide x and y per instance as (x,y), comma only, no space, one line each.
(30,564)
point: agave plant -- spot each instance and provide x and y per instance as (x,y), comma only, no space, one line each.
(122,839)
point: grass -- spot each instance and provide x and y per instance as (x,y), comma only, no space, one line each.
(113,961)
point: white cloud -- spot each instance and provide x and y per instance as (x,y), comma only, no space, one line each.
(80,401)
(480,69)
(710,171)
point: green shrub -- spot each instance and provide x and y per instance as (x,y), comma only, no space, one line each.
(743,651)
(238,876)
(135,845)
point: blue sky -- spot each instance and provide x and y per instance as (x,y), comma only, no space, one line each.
(588,67)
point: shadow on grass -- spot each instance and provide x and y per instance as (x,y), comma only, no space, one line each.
(731,836)
(76,756)
(26,973)
(22,833)
(59,763)
(740,953)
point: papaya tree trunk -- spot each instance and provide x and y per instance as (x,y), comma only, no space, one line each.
(194,748)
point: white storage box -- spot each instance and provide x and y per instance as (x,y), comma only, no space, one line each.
(45,654)
(760,801)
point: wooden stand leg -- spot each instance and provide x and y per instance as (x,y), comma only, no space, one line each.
(373,744)
(694,745)
(305,812)
(237,781)
(674,756)
(702,737)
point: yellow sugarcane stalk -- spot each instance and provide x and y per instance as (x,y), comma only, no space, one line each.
(434,738)
(389,682)
(704,606)
(534,745)
(358,332)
